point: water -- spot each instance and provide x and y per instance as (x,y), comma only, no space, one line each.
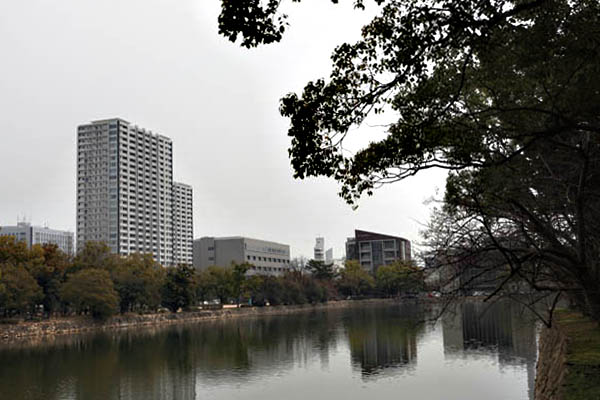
(368,352)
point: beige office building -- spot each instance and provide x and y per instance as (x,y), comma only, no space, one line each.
(268,258)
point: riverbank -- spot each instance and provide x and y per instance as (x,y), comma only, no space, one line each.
(81,324)
(569,359)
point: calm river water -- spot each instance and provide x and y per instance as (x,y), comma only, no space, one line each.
(367,352)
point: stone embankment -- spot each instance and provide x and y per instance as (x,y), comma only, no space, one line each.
(75,325)
(569,360)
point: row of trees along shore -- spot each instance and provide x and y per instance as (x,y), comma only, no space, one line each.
(45,282)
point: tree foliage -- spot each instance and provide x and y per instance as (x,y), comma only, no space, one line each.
(220,283)
(100,284)
(91,291)
(179,290)
(138,280)
(355,280)
(503,94)
(398,278)
(14,252)
(95,255)
(320,270)
(49,273)
(21,292)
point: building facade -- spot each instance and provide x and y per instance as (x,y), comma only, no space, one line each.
(268,258)
(372,249)
(125,189)
(319,250)
(183,224)
(329,257)
(31,235)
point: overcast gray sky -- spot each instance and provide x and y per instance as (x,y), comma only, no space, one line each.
(161,65)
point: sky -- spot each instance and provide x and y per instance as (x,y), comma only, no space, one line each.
(161,65)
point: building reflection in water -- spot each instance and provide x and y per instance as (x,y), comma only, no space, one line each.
(166,363)
(503,329)
(184,362)
(384,345)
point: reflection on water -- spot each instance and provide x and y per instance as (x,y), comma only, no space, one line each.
(375,350)
(380,340)
(503,329)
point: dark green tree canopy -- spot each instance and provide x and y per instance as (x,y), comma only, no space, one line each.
(502,93)
(257,21)
(465,84)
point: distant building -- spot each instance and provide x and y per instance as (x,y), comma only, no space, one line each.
(329,257)
(268,258)
(183,225)
(319,249)
(375,249)
(125,191)
(40,235)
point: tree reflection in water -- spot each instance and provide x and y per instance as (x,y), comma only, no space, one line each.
(181,362)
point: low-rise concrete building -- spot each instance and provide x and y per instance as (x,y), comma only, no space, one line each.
(31,235)
(269,258)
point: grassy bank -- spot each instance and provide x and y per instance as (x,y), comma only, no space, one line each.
(582,381)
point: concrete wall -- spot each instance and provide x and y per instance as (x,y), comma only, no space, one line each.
(200,253)
(228,251)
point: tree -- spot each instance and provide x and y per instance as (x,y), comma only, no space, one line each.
(50,274)
(398,277)
(274,290)
(179,290)
(13,251)
(292,289)
(21,292)
(2,287)
(254,289)
(138,280)
(355,280)
(221,280)
(320,270)
(238,276)
(91,291)
(502,93)
(95,255)
(204,285)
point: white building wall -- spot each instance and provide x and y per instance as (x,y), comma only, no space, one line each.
(32,235)
(125,189)
(183,223)
(319,250)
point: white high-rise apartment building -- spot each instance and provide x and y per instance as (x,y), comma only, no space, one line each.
(125,189)
(183,226)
